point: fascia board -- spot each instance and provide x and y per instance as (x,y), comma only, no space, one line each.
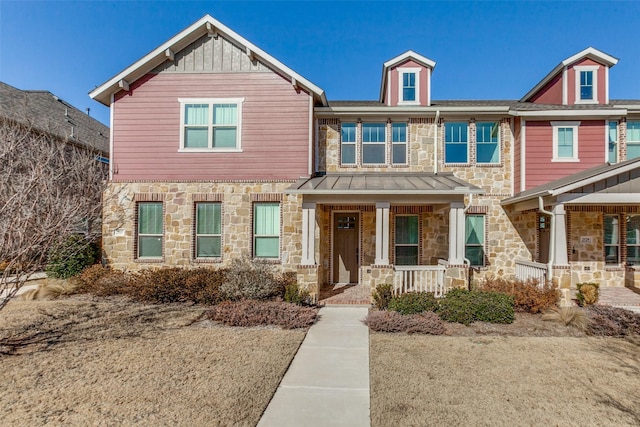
(364,111)
(569,113)
(181,40)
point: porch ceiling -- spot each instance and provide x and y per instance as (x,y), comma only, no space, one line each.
(380,183)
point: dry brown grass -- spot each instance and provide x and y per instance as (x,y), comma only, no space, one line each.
(503,381)
(85,361)
(568,316)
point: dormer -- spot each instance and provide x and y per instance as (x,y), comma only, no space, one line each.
(406,80)
(578,80)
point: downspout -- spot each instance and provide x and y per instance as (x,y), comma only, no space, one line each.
(435,143)
(552,237)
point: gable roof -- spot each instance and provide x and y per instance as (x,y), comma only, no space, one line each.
(45,112)
(575,181)
(420,59)
(590,52)
(204,25)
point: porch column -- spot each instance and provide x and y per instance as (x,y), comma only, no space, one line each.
(308,234)
(560,236)
(456,233)
(382,233)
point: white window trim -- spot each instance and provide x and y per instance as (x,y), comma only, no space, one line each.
(196,234)
(572,125)
(211,102)
(578,69)
(444,145)
(406,144)
(354,143)
(383,143)
(401,73)
(499,161)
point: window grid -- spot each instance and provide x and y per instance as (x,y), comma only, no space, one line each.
(586,85)
(612,138)
(399,143)
(374,142)
(633,139)
(456,142)
(211,124)
(348,143)
(408,86)
(488,142)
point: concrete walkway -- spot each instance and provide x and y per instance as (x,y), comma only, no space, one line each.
(327,383)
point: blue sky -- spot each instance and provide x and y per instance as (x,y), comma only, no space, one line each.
(483,50)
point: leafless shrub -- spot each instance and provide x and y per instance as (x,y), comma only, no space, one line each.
(48,189)
(613,321)
(251,279)
(257,313)
(391,321)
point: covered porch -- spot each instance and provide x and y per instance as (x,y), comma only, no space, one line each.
(587,228)
(364,229)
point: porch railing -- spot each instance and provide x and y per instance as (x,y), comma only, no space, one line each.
(526,270)
(419,278)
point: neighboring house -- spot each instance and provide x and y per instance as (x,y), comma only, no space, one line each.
(42,111)
(220,150)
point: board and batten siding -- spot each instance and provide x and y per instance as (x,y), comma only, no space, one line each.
(539,151)
(274,139)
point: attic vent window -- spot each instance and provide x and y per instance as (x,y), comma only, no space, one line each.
(409,86)
(586,84)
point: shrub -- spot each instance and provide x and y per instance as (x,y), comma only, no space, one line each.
(114,283)
(462,306)
(202,285)
(391,321)
(71,256)
(413,303)
(164,285)
(87,279)
(382,295)
(568,316)
(588,293)
(528,296)
(295,295)
(251,279)
(256,313)
(612,321)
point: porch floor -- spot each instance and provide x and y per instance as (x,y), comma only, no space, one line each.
(344,294)
(620,297)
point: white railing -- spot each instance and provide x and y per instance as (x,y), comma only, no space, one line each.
(526,270)
(419,278)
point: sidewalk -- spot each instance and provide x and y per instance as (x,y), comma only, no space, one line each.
(327,383)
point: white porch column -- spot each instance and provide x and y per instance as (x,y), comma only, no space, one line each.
(560,236)
(308,234)
(382,233)
(456,233)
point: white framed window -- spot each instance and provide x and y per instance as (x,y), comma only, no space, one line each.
(586,84)
(612,239)
(374,142)
(565,141)
(348,144)
(399,143)
(474,239)
(150,229)
(488,142)
(456,142)
(406,240)
(633,140)
(633,239)
(266,230)
(612,142)
(409,86)
(210,124)
(208,236)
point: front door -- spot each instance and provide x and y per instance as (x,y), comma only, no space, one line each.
(345,247)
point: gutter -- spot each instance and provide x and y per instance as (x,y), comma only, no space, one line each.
(552,237)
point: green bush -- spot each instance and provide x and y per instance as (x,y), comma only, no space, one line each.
(588,293)
(71,256)
(413,303)
(382,296)
(294,294)
(466,307)
(251,279)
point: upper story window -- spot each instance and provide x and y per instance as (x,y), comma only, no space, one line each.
(409,90)
(586,84)
(374,141)
(633,140)
(612,136)
(348,144)
(211,124)
(488,142)
(399,143)
(456,142)
(565,141)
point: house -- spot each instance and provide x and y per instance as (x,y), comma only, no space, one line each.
(219,150)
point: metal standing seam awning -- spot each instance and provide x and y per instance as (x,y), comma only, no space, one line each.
(374,186)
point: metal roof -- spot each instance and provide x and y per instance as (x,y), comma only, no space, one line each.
(384,183)
(46,112)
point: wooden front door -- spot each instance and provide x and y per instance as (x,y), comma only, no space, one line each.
(346,237)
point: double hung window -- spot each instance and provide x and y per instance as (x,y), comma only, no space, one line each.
(374,141)
(612,239)
(208,230)
(348,144)
(474,239)
(211,124)
(633,140)
(633,240)
(488,142)
(266,230)
(399,143)
(150,229)
(565,141)
(612,137)
(456,142)
(406,240)
(586,84)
